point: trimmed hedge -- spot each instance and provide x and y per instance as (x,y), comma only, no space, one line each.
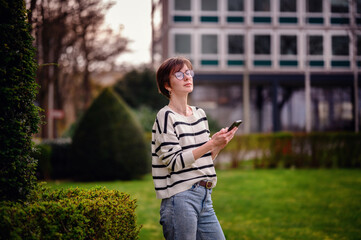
(19,117)
(54,159)
(70,214)
(298,150)
(109,142)
(42,153)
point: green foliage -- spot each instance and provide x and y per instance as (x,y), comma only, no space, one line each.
(70,214)
(69,133)
(289,204)
(146,117)
(19,117)
(139,88)
(213,125)
(265,204)
(109,142)
(54,159)
(298,150)
(42,153)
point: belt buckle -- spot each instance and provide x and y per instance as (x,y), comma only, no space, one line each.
(209,184)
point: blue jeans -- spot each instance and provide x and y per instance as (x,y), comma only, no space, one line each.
(190,215)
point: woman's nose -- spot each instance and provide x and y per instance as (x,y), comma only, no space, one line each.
(186,76)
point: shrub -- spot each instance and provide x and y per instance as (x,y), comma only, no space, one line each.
(299,150)
(146,117)
(139,88)
(54,159)
(42,153)
(70,214)
(19,116)
(109,142)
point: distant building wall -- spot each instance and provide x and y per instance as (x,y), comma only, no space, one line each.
(277,42)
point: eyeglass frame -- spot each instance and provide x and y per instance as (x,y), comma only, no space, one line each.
(189,73)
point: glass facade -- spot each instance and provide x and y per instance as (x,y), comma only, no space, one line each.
(340,45)
(262,44)
(209,5)
(262,5)
(315,45)
(339,6)
(182,5)
(182,43)
(209,44)
(288,45)
(275,41)
(288,5)
(235,44)
(328,49)
(314,6)
(235,5)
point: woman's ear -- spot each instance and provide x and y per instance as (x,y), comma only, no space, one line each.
(166,86)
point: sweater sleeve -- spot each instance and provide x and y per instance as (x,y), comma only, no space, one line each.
(170,152)
(168,148)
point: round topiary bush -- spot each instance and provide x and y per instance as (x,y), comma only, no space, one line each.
(109,142)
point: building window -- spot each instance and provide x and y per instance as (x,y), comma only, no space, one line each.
(288,45)
(182,43)
(340,45)
(314,6)
(209,44)
(235,5)
(262,44)
(262,5)
(209,5)
(358,3)
(339,6)
(182,5)
(235,44)
(288,5)
(315,45)
(358,6)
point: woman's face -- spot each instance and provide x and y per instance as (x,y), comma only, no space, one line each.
(181,87)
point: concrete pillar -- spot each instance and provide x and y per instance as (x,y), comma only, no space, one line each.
(275,115)
(308,100)
(246,103)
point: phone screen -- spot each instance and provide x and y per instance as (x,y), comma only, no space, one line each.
(234,124)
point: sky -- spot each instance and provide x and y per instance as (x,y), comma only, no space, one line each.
(135,16)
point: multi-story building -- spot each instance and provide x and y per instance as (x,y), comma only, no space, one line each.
(277,64)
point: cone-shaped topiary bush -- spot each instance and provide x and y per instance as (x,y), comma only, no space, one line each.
(109,143)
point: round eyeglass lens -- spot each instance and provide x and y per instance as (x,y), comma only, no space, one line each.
(179,75)
(190,73)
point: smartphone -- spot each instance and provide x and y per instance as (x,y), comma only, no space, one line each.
(234,124)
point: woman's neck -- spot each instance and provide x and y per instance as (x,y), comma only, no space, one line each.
(180,106)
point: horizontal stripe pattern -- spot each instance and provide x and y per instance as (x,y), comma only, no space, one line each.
(174,137)
(206,131)
(190,124)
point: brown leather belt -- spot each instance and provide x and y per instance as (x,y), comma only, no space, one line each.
(206,184)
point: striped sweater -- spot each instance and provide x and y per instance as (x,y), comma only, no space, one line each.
(174,136)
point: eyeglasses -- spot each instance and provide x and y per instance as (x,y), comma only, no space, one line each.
(180,75)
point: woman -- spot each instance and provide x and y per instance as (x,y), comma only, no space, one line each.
(182,158)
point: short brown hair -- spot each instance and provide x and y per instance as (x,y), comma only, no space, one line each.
(168,67)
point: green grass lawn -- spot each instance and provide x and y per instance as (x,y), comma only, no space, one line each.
(265,204)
